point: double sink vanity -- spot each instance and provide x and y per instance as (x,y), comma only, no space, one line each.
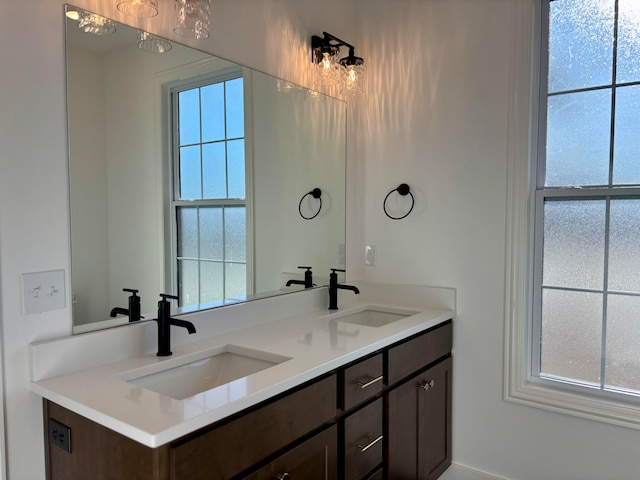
(279,388)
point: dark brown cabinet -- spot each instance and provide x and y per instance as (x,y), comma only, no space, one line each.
(386,416)
(419,425)
(314,459)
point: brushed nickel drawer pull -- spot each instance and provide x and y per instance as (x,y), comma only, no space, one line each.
(370,382)
(427,385)
(284,476)
(367,447)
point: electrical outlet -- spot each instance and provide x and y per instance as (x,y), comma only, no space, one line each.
(342,254)
(370,255)
(60,435)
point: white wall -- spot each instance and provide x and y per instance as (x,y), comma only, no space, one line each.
(437,119)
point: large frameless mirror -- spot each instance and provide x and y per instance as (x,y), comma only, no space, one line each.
(193,176)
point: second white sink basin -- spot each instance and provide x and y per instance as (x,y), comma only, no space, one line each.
(189,376)
(372,315)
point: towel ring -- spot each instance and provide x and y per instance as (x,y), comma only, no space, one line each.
(315,193)
(403,189)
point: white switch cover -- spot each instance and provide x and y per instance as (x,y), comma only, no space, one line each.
(43,291)
(370,255)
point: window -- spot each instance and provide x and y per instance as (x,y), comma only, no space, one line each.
(208,201)
(572,304)
(587,208)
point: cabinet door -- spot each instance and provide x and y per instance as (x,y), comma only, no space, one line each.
(315,459)
(419,425)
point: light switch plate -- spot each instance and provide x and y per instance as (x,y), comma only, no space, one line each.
(43,291)
(370,255)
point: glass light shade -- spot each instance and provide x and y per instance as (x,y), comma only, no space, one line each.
(151,43)
(92,23)
(326,69)
(353,79)
(138,8)
(287,87)
(193,18)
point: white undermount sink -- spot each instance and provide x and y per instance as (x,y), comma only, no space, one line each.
(372,315)
(183,377)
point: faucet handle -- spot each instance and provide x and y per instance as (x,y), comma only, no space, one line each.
(165,296)
(334,270)
(131,290)
(308,268)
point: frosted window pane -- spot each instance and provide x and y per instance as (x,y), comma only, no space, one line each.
(212,281)
(188,232)
(235,108)
(236,278)
(578,139)
(571,335)
(235,241)
(213,112)
(628,68)
(623,337)
(188,282)
(214,170)
(211,233)
(189,117)
(235,163)
(626,160)
(580,43)
(190,184)
(573,250)
(624,245)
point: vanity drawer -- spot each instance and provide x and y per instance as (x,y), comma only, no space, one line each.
(363,441)
(410,356)
(230,448)
(362,381)
(315,459)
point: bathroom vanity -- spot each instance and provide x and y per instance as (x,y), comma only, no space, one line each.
(363,393)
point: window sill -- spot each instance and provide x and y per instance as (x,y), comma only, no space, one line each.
(568,399)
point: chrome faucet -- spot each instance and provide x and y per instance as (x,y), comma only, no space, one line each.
(307,282)
(164,325)
(334,286)
(133,312)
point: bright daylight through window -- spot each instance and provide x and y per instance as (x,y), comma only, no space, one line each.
(586,304)
(209,205)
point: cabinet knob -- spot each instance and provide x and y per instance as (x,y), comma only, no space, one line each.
(364,385)
(282,476)
(427,385)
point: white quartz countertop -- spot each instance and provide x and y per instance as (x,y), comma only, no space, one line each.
(315,343)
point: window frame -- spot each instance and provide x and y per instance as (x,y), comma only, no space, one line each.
(193,75)
(527,112)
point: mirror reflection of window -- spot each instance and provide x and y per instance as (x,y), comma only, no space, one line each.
(208,190)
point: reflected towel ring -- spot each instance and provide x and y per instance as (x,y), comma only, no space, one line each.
(403,189)
(315,193)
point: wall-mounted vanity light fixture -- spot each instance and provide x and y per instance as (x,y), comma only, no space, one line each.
(152,44)
(348,71)
(404,190)
(138,8)
(193,18)
(315,193)
(91,23)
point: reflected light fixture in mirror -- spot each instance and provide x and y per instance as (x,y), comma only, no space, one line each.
(152,44)
(193,19)
(328,71)
(92,23)
(138,8)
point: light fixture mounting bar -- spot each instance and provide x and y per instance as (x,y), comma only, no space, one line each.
(329,42)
